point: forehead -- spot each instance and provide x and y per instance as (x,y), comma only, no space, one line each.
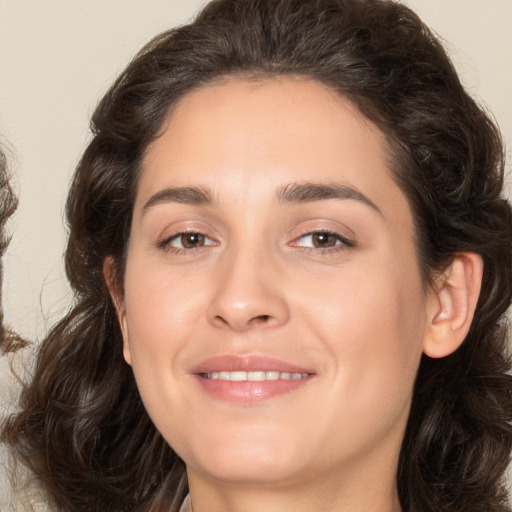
(270,111)
(247,117)
(242,135)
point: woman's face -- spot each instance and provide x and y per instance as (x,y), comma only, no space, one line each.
(273,308)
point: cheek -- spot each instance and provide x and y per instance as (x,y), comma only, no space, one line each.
(161,316)
(376,293)
(372,322)
(160,320)
(375,337)
(159,304)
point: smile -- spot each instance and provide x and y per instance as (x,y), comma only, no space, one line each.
(251,378)
(254,376)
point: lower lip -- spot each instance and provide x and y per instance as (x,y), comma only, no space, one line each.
(249,391)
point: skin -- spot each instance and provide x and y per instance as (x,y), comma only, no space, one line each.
(263,279)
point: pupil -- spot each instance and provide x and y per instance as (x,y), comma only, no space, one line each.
(191,240)
(323,240)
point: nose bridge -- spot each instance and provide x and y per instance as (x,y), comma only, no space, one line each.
(247,291)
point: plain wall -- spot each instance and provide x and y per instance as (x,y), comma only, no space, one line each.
(57,57)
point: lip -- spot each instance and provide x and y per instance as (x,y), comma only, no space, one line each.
(247,392)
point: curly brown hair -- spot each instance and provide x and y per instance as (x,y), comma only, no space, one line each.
(83,429)
(9,341)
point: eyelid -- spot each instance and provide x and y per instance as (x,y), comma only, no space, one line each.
(173,232)
(328,225)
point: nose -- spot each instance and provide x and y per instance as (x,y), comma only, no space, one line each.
(249,293)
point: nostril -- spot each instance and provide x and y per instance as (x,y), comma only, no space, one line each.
(261,319)
(221,320)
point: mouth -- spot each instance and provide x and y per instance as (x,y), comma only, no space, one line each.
(250,379)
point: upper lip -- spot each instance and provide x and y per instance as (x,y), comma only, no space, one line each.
(248,363)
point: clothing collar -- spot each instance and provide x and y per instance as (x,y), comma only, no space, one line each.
(187,505)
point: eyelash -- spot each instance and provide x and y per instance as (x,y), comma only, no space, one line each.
(341,243)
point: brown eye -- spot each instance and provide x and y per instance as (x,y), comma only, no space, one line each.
(191,240)
(321,240)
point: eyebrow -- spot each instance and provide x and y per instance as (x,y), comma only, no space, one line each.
(183,195)
(293,193)
(310,192)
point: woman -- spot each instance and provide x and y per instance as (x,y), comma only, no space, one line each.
(291,262)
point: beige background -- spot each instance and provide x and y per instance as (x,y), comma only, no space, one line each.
(57,57)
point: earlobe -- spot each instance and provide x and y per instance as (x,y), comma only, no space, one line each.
(117,299)
(452,304)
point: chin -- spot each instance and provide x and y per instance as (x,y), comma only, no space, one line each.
(249,461)
(251,471)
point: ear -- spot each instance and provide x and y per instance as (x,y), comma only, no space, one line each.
(119,304)
(452,304)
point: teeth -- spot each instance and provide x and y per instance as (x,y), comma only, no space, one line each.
(237,376)
(240,376)
(256,376)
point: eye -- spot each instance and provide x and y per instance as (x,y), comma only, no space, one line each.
(188,240)
(322,240)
